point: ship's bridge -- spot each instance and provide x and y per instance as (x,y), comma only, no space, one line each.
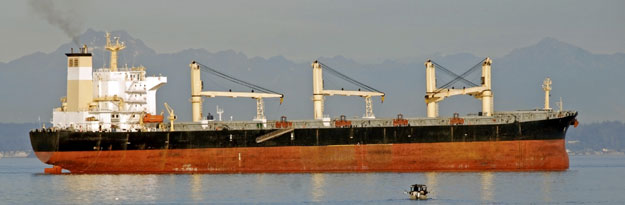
(108,99)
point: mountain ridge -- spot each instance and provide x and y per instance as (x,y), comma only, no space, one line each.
(517,78)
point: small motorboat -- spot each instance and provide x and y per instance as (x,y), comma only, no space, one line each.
(418,192)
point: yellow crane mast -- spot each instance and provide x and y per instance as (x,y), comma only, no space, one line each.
(171,117)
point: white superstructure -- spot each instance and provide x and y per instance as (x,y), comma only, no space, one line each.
(109,99)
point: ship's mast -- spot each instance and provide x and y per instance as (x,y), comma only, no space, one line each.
(547,88)
(220,112)
(114,48)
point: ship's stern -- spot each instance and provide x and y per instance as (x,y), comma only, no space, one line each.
(44,142)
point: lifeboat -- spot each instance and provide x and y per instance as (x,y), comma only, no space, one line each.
(148,118)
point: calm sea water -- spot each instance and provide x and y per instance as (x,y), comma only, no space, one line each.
(591,179)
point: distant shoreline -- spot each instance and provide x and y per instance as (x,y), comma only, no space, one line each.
(16,154)
(593,153)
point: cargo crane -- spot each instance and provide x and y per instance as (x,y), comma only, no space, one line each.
(319,92)
(197,93)
(435,94)
(172,116)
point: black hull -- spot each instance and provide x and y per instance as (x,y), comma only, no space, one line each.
(59,141)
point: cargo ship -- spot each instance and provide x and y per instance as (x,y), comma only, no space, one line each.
(108,123)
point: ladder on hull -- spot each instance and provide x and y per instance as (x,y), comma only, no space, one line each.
(273,134)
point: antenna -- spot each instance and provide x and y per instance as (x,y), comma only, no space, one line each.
(219,112)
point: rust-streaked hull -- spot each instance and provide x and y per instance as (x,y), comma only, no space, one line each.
(517,146)
(526,155)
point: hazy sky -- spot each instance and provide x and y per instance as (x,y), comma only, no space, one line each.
(367,31)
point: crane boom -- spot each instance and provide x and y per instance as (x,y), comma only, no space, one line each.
(351,93)
(319,92)
(442,94)
(197,93)
(212,94)
(434,94)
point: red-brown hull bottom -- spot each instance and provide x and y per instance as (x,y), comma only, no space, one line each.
(524,155)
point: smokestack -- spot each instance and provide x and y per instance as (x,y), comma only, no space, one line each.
(79,80)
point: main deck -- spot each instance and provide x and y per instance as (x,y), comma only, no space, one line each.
(472,119)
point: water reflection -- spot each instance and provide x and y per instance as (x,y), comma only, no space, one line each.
(260,179)
(318,183)
(487,186)
(431,183)
(600,180)
(110,187)
(547,186)
(196,187)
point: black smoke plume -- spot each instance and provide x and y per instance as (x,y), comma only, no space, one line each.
(69,21)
